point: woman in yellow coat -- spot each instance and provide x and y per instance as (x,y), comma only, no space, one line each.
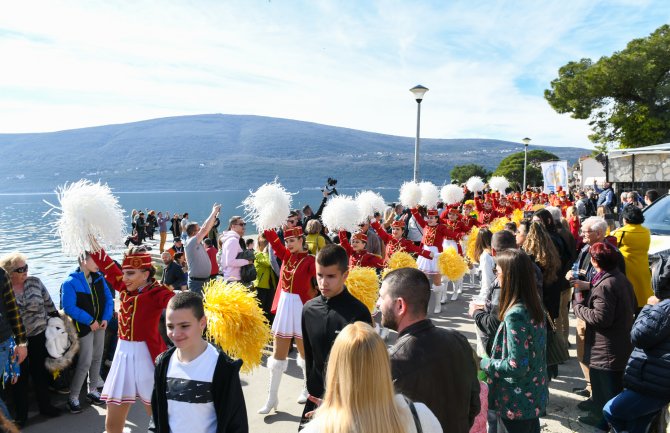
(633,241)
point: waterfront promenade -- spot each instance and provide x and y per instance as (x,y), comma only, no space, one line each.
(562,412)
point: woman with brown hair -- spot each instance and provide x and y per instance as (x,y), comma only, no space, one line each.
(539,246)
(359,390)
(516,370)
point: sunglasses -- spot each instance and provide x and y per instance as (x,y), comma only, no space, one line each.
(241,224)
(22,270)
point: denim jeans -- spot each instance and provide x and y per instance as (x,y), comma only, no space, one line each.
(632,412)
(4,357)
(605,385)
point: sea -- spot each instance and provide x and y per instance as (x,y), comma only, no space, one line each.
(24,227)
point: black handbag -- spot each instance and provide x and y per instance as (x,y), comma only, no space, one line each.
(247,272)
(557,349)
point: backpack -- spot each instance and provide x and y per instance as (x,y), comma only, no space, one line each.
(247,272)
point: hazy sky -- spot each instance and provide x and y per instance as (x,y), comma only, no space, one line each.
(69,64)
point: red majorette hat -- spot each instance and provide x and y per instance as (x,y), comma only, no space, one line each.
(137,261)
(453,209)
(432,212)
(360,236)
(398,224)
(294,232)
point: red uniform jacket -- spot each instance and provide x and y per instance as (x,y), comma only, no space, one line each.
(361,258)
(485,217)
(297,271)
(433,236)
(394,245)
(140,311)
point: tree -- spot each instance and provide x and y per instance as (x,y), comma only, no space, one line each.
(626,96)
(461,173)
(512,168)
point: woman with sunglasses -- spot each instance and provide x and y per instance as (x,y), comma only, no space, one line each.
(35,308)
(142,300)
(231,247)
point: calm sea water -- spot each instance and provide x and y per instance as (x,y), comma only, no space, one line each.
(23,227)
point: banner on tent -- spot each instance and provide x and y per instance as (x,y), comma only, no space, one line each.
(555,174)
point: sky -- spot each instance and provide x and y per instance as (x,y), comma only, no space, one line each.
(73,64)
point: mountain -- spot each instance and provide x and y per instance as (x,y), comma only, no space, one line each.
(219,152)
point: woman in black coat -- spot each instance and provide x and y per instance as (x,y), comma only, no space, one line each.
(608,312)
(647,375)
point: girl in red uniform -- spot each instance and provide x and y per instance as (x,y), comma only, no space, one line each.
(142,302)
(434,234)
(451,219)
(395,242)
(358,255)
(298,270)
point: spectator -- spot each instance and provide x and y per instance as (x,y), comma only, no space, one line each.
(230,249)
(604,213)
(359,392)
(585,207)
(646,379)
(374,244)
(338,307)
(608,312)
(650,196)
(199,265)
(213,234)
(428,364)
(173,273)
(11,326)
(140,228)
(34,307)
(633,241)
(249,243)
(175,228)
(315,241)
(266,280)
(605,196)
(516,369)
(211,251)
(152,223)
(309,215)
(87,299)
(162,221)
(183,224)
(177,247)
(487,276)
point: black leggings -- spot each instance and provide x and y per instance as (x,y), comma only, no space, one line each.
(34,364)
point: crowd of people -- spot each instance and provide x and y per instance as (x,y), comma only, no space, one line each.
(584,251)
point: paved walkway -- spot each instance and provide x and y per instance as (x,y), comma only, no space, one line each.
(561,418)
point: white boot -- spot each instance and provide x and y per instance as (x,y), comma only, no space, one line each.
(304,394)
(439,290)
(443,292)
(458,288)
(277,369)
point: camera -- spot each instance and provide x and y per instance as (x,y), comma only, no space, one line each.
(330,187)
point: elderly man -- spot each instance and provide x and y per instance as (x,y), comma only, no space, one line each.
(374,245)
(594,230)
(429,364)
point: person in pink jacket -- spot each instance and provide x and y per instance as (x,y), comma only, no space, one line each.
(230,248)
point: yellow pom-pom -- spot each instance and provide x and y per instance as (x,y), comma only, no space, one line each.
(451,264)
(363,283)
(470,246)
(517,216)
(399,259)
(236,322)
(498,224)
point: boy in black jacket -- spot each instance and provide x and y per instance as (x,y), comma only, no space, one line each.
(197,387)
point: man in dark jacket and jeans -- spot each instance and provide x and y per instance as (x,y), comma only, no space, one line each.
(432,365)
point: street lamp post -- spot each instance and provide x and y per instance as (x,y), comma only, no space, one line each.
(526,141)
(418,92)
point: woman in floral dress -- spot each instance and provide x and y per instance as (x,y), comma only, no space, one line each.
(517,369)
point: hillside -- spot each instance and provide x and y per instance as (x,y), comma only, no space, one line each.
(220,152)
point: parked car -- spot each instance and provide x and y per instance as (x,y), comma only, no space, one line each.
(657,220)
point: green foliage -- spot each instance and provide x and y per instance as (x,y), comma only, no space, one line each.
(625,96)
(461,173)
(512,168)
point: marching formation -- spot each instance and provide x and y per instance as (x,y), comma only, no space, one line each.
(333,284)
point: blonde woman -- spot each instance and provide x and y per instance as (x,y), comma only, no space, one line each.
(359,391)
(315,241)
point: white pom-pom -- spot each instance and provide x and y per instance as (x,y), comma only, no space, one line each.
(269,206)
(452,194)
(429,195)
(499,183)
(410,194)
(475,184)
(370,202)
(342,213)
(90,217)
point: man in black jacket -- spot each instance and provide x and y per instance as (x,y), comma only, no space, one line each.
(432,365)
(325,316)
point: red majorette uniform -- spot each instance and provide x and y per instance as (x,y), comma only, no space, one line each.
(295,285)
(132,372)
(394,245)
(485,216)
(456,226)
(360,258)
(433,239)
